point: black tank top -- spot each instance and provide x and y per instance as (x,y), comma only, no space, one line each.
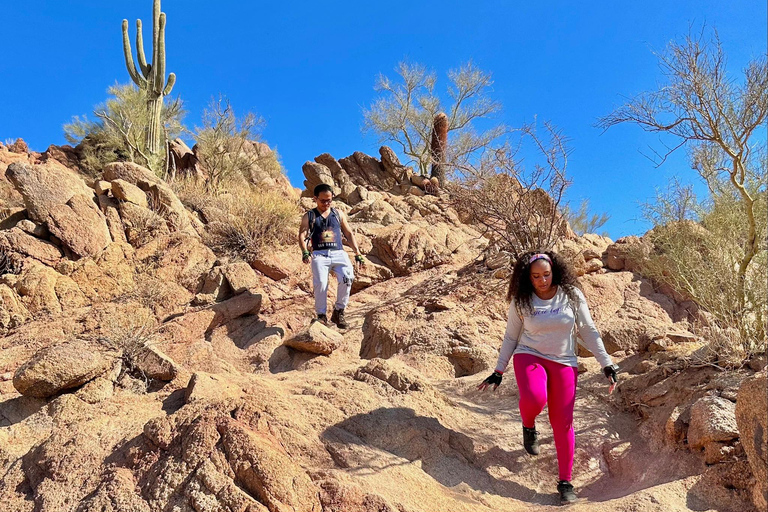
(326,233)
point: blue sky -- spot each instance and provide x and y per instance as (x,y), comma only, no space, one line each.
(309,67)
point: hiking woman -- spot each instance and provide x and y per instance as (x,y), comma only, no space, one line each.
(546,309)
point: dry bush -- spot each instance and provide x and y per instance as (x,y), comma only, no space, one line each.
(128,334)
(251,220)
(518,206)
(145,225)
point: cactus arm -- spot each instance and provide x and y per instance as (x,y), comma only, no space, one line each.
(159,62)
(171,82)
(135,76)
(140,50)
(155,31)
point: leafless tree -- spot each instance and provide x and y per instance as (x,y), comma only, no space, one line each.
(518,205)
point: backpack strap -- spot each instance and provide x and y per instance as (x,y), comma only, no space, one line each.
(311,216)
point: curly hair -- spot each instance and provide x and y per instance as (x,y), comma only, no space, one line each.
(521,288)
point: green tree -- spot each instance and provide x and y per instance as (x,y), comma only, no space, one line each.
(118,132)
(225,143)
(582,221)
(722,121)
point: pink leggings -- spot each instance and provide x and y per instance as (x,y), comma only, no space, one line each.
(541,381)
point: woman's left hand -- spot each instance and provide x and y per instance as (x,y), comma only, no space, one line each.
(610,373)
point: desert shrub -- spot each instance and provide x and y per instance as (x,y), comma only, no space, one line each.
(249,219)
(582,221)
(119,133)
(226,145)
(518,207)
(128,334)
(699,258)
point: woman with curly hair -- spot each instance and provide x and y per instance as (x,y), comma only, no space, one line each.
(546,309)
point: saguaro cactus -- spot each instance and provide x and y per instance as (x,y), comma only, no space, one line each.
(438,146)
(150,77)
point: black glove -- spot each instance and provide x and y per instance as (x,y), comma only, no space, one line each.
(610,372)
(494,379)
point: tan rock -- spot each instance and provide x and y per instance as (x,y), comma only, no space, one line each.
(45,186)
(240,276)
(109,207)
(340,177)
(266,471)
(16,240)
(33,228)
(392,373)
(125,191)
(12,310)
(130,172)
(59,368)
(116,493)
(153,363)
(80,225)
(713,419)
(206,386)
(271,266)
(376,211)
(628,253)
(406,248)
(316,339)
(102,187)
(97,390)
(193,326)
(316,174)
(752,423)
(43,290)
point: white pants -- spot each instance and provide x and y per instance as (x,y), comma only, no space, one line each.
(322,263)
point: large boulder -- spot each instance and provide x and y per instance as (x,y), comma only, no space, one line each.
(44,290)
(80,225)
(407,248)
(628,253)
(315,174)
(624,311)
(45,186)
(61,367)
(367,170)
(752,422)
(262,466)
(130,172)
(713,420)
(125,191)
(343,183)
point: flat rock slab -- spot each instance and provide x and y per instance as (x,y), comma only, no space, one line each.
(316,339)
(60,367)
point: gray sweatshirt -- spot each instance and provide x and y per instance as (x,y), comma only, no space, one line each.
(549,332)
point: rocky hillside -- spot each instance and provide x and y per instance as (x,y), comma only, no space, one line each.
(140,371)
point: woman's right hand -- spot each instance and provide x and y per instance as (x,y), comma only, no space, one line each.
(494,379)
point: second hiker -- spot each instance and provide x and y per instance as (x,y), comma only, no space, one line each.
(323,227)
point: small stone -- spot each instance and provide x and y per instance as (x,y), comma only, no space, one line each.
(316,339)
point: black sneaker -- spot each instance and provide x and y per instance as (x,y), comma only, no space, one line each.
(321,318)
(531,440)
(565,489)
(338,318)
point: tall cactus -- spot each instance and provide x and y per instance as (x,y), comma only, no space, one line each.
(150,77)
(438,146)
